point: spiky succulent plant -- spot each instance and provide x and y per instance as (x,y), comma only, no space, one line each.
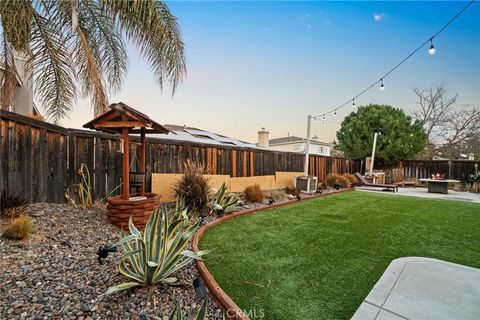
(156,254)
(223,202)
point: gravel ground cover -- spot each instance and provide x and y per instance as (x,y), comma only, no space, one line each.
(55,273)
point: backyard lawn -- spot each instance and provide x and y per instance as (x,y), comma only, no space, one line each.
(319,259)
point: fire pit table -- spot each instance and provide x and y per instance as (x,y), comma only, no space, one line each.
(438,185)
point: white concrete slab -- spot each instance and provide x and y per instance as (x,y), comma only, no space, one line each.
(423,288)
(423,193)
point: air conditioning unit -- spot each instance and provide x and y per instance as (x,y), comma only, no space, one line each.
(306,184)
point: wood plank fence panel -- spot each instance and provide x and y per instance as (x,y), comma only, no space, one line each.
(40,160)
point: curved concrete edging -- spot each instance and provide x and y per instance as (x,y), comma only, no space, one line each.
(230,308)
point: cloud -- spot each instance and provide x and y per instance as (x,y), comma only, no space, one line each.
(378,16)
(266,29)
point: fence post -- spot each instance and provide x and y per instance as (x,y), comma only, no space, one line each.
(449,169)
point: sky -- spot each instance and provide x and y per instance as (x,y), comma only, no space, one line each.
(270,64)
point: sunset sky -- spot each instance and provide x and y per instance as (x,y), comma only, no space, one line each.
(270,64)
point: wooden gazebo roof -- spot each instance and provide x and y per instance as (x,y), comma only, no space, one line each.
(121,116)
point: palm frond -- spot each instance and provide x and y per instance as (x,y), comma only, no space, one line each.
(98,49)
(16,19)
(9,79)
(155,31)
(50,58)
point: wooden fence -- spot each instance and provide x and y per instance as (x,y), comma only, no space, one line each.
(40,160)
(452,169)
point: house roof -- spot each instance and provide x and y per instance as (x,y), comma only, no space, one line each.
(288,139)
(294,139)
(121,116)
(195,135)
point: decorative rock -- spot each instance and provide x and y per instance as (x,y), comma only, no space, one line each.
(66,282)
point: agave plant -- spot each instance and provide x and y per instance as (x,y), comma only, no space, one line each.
(181,212)
(178,315)
(223,202)
(154,256)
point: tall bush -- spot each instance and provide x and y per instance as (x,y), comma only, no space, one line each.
(193,186)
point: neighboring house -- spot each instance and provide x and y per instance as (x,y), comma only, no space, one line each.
(194,135)
(293,144)
(23,100)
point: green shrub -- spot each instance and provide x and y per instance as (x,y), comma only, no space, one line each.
(19,228)
(254,193)
(223,202)
(156,254)
(334,178)
(12,205)
(193,186)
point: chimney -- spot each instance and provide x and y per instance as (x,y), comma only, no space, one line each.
(263,138)
(23,100)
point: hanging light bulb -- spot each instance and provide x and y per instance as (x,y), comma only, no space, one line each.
(432,49)
(353,103)
(323,118)
(382,87)
(324,123)
(314,119)
(335,113)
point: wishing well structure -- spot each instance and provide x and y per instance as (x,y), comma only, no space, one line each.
(124,120)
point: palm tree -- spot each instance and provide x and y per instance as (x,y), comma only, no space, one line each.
(82,43)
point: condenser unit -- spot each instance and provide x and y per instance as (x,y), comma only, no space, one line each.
(306,184)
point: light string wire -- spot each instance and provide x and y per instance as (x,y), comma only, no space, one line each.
(429,40)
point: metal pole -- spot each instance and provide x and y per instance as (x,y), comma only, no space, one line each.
(373,152)
(307,154)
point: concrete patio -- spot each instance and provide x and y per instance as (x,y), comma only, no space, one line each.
(423,193)
(423,288)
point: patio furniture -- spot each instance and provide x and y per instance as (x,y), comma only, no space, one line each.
(399,178)
(475,185)
(438,185)
(364,183)
(377,177)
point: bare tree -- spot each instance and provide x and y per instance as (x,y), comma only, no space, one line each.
(447,125)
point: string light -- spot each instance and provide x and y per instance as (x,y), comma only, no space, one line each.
(431,50)
(335,114)
(323,118)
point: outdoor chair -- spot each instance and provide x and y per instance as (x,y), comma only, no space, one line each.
(399,178)
(365,183)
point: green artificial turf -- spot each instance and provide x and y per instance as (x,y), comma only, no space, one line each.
(319,259)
